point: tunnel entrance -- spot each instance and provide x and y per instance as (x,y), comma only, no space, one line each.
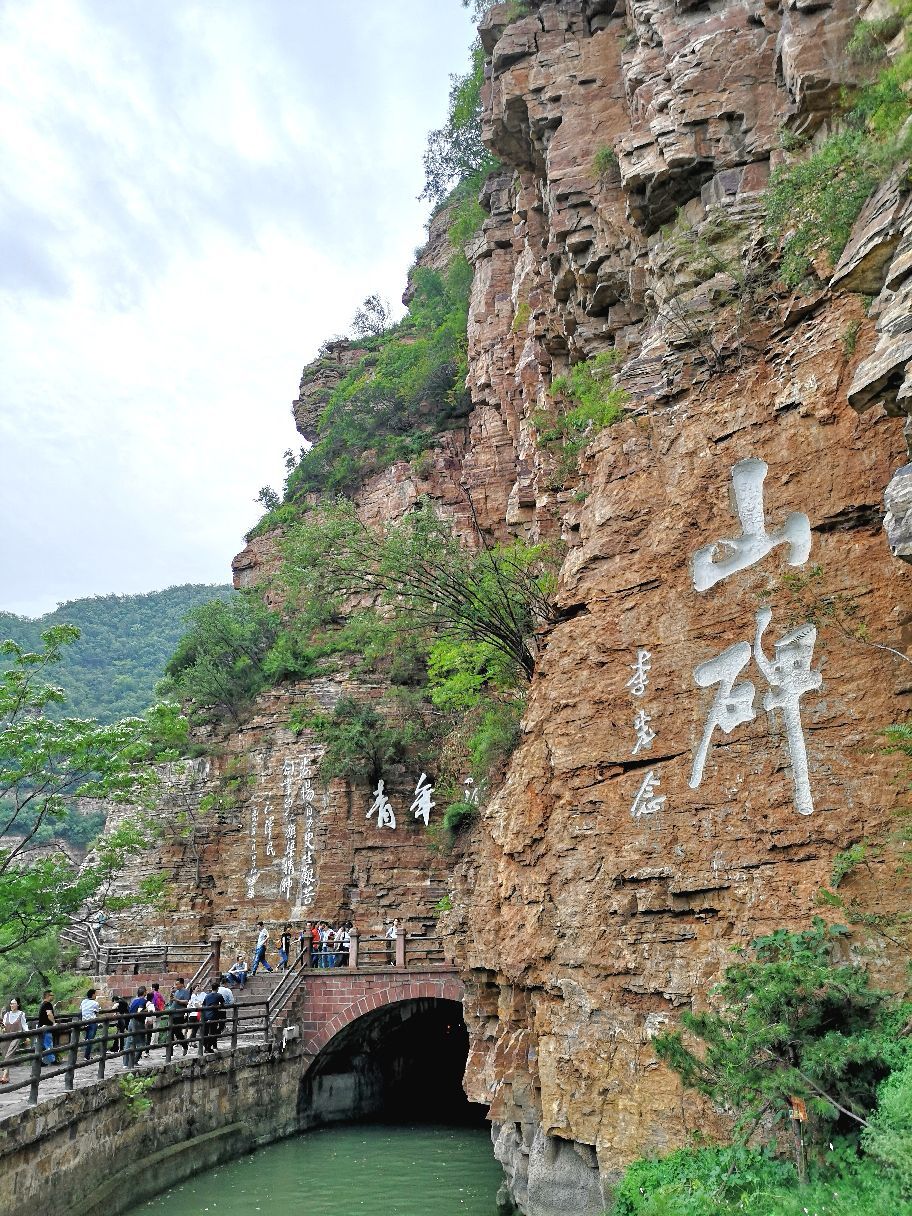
(401,1063)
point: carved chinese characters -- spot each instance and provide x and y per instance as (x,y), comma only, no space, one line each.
(422,804)
(788,674)
(754,542)
(307,883)
(646,801)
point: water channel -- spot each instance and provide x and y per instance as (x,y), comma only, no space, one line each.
(350,1170)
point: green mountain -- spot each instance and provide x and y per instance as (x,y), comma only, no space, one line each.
(126,641)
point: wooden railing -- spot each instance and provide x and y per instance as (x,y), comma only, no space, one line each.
(130,1037)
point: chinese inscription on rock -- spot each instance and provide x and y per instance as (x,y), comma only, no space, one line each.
(788,673)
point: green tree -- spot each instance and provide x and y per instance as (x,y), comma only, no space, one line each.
(497,597)
(46,765)
(455,151)
(793,1022)
(218,667)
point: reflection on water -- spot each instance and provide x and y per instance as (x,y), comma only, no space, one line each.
(354,1170)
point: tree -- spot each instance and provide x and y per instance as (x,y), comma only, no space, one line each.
(46,765)
(373,318)
(218,664)
(454,151)
(498,596)
(793,1023)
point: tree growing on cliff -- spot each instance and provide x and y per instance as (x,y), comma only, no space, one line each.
(793,1026)
(454,151)
(220,664)
(46,765)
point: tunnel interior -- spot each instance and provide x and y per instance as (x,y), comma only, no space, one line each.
(401,1063)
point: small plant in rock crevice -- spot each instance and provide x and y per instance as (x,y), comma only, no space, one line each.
(133,1091)
(587,399)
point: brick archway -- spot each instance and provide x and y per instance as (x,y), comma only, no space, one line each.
(332,1004)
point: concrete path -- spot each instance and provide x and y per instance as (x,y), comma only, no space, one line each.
(13,1101)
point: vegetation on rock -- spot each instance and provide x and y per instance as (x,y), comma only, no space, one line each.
(812,206)
(793,1031)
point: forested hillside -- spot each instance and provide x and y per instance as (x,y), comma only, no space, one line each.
(126,641)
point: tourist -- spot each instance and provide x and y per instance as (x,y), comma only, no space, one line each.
(315,944)
(155,996)
(150,1020)
(237,972)
(136,1027)
(14,1021)
(88,1012)
(122,1009)
(46,1023)
(259,953)
(213,1017)
(226,992)
(284,948)
(391,943)
(346,944)
(180,999)
(194,1013)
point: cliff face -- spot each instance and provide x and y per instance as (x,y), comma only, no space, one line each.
(613,872)
(703,733)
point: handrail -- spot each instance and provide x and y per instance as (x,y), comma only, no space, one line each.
(198,975)
(289,982)
(173,1024)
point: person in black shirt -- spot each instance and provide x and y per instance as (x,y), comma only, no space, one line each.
(213,1004)
(180,998)
(46,1022)
(284,948)
(121,1008)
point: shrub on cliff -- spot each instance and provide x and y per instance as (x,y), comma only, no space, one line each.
(407,388)
(455,151)
(812,206)
(793,1023)
(220,664)
(586,401)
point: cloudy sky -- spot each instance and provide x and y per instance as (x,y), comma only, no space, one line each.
(193,195)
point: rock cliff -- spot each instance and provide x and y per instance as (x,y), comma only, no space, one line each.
(609,878)
(704,729)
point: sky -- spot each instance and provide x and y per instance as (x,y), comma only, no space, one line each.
(194,194)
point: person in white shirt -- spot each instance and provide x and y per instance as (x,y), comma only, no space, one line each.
(87,1011)
(14,1020)
(194,1008)
(259,954)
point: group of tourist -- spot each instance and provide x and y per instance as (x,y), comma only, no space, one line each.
(188,1011)
(140,1023)
(330,946)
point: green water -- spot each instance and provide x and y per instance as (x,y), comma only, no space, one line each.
(355,1170)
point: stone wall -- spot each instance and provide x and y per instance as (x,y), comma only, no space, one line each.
(81,1153)
(281,845)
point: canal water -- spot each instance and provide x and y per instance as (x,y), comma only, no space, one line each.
(352,1170)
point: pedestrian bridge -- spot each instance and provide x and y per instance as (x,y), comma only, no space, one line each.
(348,1043)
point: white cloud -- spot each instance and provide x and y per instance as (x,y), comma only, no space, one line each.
(196,194)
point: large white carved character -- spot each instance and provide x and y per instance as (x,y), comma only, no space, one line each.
(788,675)
(720,558)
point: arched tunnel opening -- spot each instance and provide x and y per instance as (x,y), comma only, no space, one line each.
(403,1062)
